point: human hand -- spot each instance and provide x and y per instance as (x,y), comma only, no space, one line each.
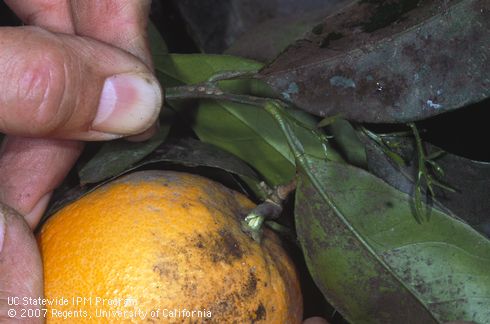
(51,84)
(58,88)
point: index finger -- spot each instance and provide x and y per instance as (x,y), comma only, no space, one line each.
(121,23)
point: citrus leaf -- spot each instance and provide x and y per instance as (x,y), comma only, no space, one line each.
(185,152)
(193,153)
(381,61)
(470,200)
(253,135)
(327,121)
(246,131)
(347,140)
(116,156)
(376,264)
(177,69)
(399,175)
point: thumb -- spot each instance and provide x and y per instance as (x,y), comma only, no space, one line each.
(20,267)
(64,86)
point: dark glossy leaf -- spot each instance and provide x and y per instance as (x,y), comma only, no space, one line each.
(376,264)
(471,198)
(194,153)
(389,61)
(116,156)
(471,179)
(185,152)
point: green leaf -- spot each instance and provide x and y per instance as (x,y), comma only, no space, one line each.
(376,264)
(246,131)
(327,121)
(253,135)
(349,144)
(177,69)
(116,156)
(249,133)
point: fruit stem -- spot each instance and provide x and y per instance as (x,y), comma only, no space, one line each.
(271,208)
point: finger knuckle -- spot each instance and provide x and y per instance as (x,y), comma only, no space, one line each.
(39,89)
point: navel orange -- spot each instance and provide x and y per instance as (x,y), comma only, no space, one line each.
(163,246)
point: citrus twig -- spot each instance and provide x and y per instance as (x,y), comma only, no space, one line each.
(230,75)
(271,208)
(210,90)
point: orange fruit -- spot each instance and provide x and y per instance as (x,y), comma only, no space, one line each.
(164,246)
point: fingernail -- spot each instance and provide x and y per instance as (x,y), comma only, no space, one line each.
(2,228)
(129,104)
